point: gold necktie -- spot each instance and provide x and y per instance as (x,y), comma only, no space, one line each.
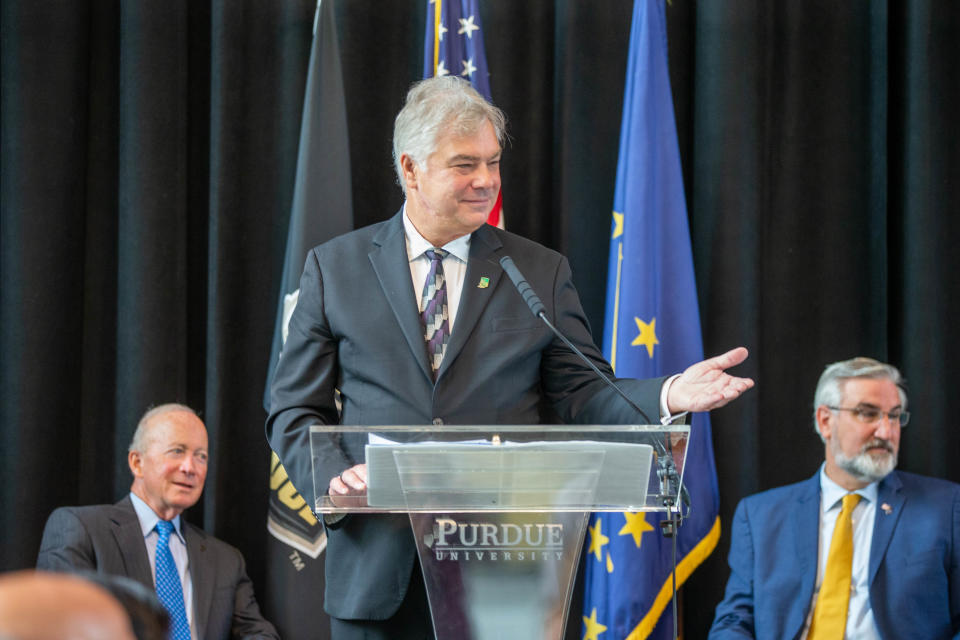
(830,615)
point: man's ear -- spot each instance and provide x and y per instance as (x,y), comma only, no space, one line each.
(409,167)
(135,462)
(825,422)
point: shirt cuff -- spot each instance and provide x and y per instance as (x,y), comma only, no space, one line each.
(665,415)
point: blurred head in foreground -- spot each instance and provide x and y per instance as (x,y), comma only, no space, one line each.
(35,605)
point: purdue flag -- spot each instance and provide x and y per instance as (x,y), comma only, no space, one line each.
(322,208)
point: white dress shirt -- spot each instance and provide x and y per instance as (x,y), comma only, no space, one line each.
(178,548)
(454,265)
(860,623)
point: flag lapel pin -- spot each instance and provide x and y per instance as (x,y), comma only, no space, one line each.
(484,283)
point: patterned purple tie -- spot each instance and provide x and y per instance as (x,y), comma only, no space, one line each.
(434,317)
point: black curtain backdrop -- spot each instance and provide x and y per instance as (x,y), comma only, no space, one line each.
(148,156)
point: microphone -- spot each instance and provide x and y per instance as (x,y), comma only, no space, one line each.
(526,291)
(536,307)
(667,469)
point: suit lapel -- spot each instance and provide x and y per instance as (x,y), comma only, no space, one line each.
(474,298)
(805,521)
(885,520)
(390,262)
(197,561)
(129,538)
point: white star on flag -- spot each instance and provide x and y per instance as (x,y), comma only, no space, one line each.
(467,27)
(454,33)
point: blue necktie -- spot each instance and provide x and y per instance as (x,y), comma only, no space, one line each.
(434,317)
(169,589)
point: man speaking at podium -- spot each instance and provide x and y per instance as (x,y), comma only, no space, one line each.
(413,321)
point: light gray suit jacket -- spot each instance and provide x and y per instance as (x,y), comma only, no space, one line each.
(356,328)
(107,539)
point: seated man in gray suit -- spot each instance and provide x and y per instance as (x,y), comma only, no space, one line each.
(201,581)
(411,321)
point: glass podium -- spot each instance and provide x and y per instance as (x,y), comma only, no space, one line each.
(499,513)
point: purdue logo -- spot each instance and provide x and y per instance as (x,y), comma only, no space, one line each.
(289,518)
(486,541)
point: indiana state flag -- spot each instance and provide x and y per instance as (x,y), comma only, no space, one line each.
(652,328)
(453,45)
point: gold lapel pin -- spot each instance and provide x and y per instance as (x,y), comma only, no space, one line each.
(484,283)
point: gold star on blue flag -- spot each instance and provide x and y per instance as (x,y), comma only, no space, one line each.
(652,328)
(646,336)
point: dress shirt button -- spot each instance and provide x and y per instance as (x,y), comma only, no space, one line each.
(438,421)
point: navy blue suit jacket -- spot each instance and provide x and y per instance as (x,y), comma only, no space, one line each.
(356,328)
(914,568)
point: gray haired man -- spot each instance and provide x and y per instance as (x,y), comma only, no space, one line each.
(859,550)
(213,597)
(411,321)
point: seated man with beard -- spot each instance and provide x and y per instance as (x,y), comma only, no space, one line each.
(858,550)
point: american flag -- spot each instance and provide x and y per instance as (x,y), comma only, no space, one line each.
(453,45)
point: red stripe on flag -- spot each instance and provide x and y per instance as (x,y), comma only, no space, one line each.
(494,217)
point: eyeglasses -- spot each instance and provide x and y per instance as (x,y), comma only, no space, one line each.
(869,415)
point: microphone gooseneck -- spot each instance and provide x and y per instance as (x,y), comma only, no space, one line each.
(537,308)
(526,291)
(666,469)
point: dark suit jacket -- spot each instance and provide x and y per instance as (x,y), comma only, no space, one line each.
(356,328)
(914,568)
(107,539)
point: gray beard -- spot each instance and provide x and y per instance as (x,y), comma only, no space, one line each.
(864,466)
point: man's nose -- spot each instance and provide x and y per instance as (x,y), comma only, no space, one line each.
(188,465)
(485,177)
(886,426)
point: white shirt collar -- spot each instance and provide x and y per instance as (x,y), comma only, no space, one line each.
(148,517)
(831,493)
(417,244)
